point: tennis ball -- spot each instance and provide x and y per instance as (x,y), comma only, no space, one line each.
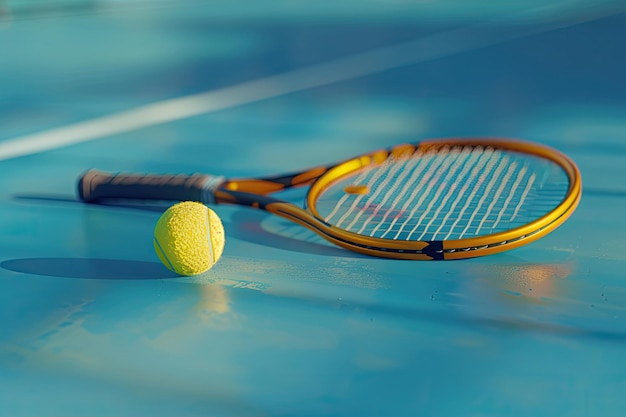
(189,238)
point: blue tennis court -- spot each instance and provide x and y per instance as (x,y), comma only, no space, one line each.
(286,324)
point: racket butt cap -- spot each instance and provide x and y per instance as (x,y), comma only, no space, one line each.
(88,182)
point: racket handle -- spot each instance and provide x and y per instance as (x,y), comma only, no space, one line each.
(96,185)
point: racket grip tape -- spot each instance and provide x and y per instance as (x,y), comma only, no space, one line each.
(96,185)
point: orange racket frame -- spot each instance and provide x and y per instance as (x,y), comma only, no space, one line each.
(94,186)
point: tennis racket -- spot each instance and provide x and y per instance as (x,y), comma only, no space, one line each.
(437,199)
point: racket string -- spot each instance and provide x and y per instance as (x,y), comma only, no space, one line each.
(487,161)
(392,193)
(392,168)
(446,186)
(421,192)
(398,198)
(448,193)
(438,163)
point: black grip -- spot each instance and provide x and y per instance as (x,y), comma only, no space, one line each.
(96,185)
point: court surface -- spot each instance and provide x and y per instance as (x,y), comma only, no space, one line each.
(91,324)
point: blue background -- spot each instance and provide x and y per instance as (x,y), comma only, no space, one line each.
(285,325)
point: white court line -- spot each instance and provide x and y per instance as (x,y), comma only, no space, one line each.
(428,48)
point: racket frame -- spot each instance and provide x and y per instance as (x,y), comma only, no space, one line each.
(254,192)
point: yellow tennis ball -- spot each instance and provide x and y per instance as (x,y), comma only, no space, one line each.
(189,238)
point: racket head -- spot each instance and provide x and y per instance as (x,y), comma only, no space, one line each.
(446,199)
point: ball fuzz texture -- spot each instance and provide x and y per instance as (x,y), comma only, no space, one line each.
(189,238)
